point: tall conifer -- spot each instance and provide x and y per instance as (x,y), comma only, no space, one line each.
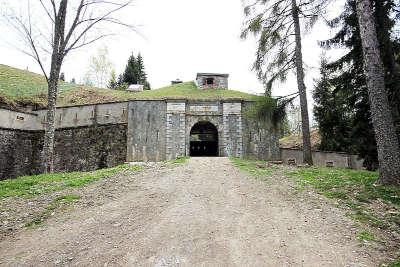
(349,83)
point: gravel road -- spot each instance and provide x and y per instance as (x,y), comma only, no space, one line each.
(203,213)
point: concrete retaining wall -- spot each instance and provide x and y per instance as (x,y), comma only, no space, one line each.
(147,131)
(87,115)
(10,119)
(323,159)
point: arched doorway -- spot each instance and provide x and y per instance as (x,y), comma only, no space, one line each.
(204,140)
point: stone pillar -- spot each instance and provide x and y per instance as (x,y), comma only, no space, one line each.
(175,130)
(232,133)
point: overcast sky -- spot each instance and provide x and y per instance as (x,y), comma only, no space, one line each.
(180,38)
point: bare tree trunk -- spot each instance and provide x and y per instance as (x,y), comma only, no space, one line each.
(382,120)
(305,124)
(88,14)
(56,62)
(48,145)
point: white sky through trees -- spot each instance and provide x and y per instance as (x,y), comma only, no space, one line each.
(179,38)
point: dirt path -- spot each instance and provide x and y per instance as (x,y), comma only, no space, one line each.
(206,212)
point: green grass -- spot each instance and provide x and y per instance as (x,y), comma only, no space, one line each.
(27,186)
(180,160)
(346,183)
(18,85)
(355,189)
(54,205)
(252,167)
(395,263)
(24,87)
(16,82)
(187,91)
(365,236)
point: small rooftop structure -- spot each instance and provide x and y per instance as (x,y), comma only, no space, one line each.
(212,80)
(135,88)
(177,81)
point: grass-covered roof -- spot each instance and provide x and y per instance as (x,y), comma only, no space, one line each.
(19,87)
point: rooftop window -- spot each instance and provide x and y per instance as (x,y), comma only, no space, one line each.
(209,82)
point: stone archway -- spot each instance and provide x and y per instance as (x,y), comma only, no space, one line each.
(204,140)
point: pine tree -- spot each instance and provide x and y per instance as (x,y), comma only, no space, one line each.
(135,73)
(141,73)
(382,119)
(329,111)
(349,80)
(276,25)
(130,73)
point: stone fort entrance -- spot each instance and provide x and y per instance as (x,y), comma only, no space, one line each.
(207,122)
(204,140)
(185,120)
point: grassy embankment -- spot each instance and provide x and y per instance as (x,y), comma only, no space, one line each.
(20,87)
(31,186)
(253,167)
(374,207)
(356,190)
(28,186)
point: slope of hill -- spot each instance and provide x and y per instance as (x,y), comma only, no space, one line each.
(187,90)
(21,87)
(296,142)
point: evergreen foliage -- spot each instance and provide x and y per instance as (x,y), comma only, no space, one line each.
(130,74)
(135,72)
(334,125)
(273,25)
(341,96)
(268,110)
(276,26)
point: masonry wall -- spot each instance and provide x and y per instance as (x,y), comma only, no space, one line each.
(146,131)
(233,130)
(322,159)
(211,111)
(18,152)
(175,130)
(260,140)
(76,149)
(219,82)
(89,137)
(90,148)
